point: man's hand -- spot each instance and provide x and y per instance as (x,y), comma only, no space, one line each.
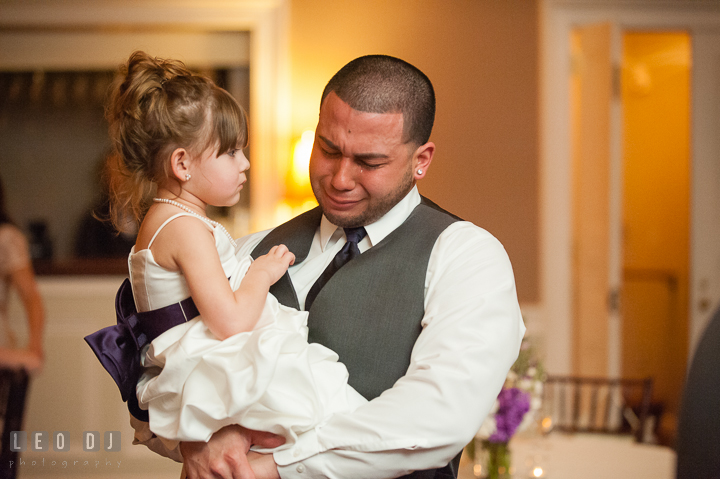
(225,455)
(263,465)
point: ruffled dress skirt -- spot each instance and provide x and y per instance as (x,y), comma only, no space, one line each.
(268,379)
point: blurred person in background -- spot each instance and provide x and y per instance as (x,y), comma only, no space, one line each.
(698,439)
(16,271)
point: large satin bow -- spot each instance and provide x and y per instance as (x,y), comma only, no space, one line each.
(118,348)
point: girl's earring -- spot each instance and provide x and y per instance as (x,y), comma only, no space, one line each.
(187,176)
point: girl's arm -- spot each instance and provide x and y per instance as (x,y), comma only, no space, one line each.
(188,245)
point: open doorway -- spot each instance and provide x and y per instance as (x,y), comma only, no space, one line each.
(630,172)
(655,96)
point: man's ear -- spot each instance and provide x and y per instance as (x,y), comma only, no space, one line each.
(421,160)
(180,164)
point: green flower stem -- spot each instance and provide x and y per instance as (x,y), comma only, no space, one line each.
(498,463)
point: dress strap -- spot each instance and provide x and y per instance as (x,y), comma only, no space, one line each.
(172,218)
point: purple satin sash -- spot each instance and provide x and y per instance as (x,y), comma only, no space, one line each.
(118,347)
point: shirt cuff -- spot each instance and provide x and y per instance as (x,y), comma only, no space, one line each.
(293,471)
(307,445)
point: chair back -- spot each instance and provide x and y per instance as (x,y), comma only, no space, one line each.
(598,405)
(13,390)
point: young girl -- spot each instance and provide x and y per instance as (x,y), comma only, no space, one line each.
(245,360)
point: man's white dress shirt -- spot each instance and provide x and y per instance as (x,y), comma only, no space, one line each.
(472,329)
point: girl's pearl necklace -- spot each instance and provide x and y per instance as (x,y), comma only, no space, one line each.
(195,213)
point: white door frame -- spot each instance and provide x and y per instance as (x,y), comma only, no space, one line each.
(557,19)
(266,20)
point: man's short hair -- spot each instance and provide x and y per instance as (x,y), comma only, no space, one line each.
(385,84)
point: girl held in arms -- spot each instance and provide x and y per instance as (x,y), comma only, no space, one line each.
(245,359)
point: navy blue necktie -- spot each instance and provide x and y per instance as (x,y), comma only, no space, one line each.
(349,251)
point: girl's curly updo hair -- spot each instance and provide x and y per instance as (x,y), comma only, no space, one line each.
(157,106)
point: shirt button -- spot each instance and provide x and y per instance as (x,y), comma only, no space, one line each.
(296,453)
(300,468)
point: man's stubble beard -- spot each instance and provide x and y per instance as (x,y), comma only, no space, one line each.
(376,209)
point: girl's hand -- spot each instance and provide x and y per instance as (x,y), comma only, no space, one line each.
(273,264)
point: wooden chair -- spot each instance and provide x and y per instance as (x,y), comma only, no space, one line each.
(599,405)
(13,390)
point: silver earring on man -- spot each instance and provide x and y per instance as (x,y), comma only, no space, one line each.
(187,176)
(419,172)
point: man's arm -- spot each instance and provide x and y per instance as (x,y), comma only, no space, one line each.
(471,336)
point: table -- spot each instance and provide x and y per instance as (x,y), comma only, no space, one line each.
(585,456)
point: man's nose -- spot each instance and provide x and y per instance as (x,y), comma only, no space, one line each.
(344,175)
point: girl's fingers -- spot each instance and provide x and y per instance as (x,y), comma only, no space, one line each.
(278,251)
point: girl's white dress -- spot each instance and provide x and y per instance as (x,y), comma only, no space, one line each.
(268,379)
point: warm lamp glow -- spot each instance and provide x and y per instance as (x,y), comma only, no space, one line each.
(301,161)
(537,472)
(287,209)
(298,193)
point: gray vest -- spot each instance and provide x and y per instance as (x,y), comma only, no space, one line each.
(369,312)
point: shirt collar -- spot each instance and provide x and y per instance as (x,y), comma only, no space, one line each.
(378,230)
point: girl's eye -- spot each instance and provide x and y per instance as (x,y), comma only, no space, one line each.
(232,152)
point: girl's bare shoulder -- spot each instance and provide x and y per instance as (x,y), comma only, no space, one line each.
(169,233)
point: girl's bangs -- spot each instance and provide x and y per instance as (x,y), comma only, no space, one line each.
(230,123)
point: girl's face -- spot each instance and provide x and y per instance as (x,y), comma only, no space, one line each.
(218,178)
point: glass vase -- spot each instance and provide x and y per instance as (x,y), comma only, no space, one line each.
(492,460)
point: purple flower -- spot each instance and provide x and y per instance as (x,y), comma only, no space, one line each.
(513,403)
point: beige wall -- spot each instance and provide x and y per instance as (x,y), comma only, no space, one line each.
(482,57)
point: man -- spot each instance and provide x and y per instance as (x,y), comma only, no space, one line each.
(426,318)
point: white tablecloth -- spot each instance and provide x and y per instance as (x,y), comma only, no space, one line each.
(585,456)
